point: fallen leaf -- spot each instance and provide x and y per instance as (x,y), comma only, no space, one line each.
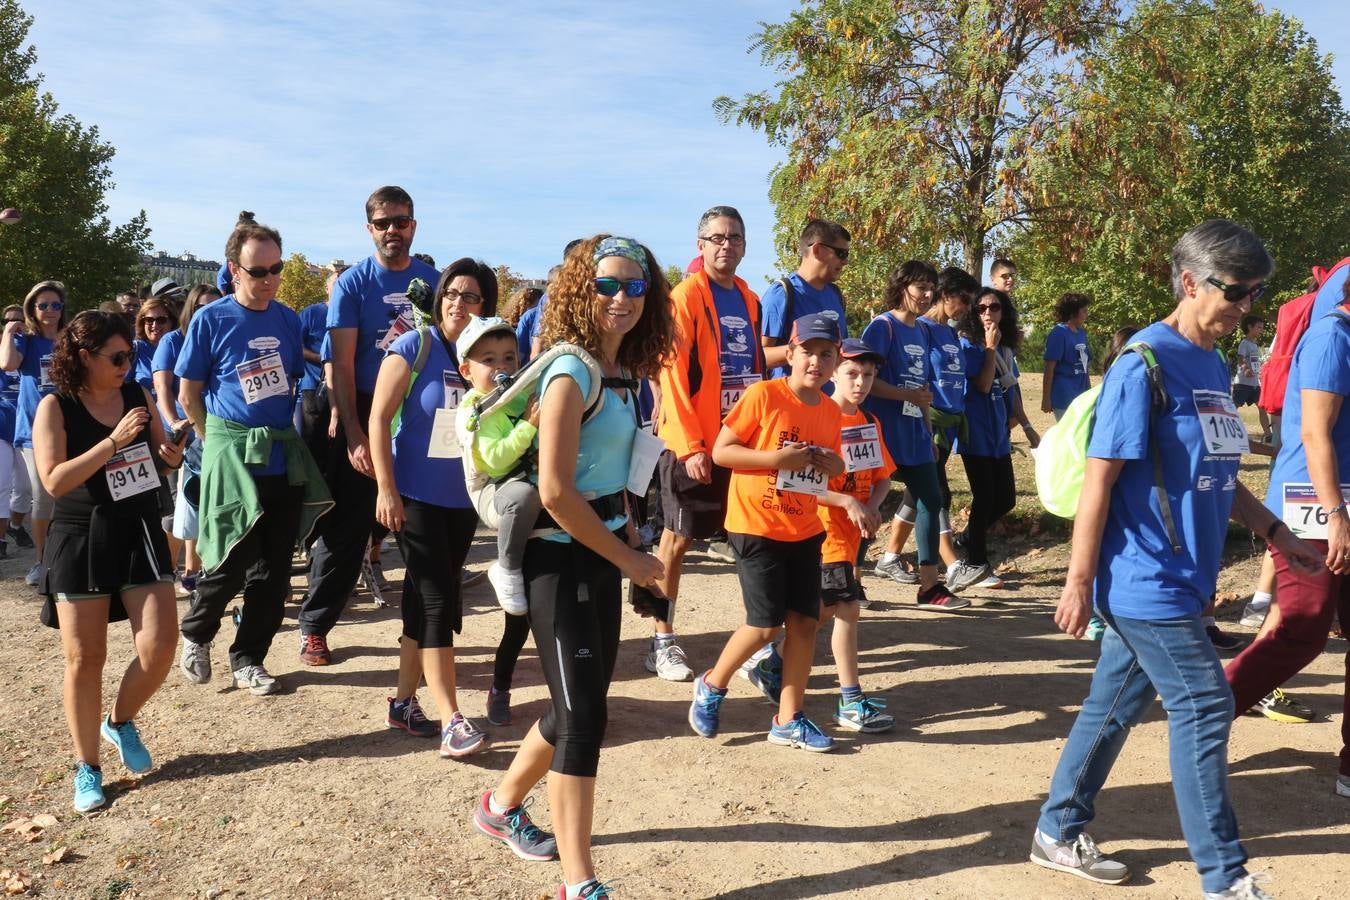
(45,820)
(22,823)
(60,854)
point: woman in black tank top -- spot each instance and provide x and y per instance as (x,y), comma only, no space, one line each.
(99,452)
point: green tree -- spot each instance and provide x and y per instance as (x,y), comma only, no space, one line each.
(507,282)
(1191,110)
(301,287)
(913,122)
(674,274)
(56,172)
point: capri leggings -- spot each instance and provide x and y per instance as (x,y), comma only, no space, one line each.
(575,608)
(44,504)
(921,482)
(434,541)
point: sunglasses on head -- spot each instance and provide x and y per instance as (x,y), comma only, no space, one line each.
(989,307)
(262,272)
(55,305)
(1236,293)
(841,252)
(632,287)
(118,359)
(399,222)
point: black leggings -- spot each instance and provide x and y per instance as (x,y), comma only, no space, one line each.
(514,632)
(993,493)
(575,605)
(434,541)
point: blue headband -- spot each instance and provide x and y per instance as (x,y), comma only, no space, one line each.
(625,247)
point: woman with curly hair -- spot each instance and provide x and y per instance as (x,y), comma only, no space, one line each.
(610,299)
(99,452)
(27,349)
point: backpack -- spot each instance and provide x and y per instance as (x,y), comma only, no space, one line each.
(1291,322)
(789,295)
(1061,458)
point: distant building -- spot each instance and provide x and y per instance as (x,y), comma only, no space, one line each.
(186,268)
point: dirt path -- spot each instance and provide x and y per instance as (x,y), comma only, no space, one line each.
(307,794)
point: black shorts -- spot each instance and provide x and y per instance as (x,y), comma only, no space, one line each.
(691,508)
(777,576)
(838,584)
(1245,395)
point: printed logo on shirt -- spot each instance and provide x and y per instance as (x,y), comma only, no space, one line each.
(735,327)
(399,299)
(264,343)
(1204,483)
(953,357)
(1230,483)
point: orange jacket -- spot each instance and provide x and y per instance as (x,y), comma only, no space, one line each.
(691,383)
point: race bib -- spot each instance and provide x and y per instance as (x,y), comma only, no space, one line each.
(397,328)
(263,377)
(45,373)
(862,447)
(1303,514)
(912,409)
(733,388)
(131,472)
(647,449)
(454,388)
(1225,435)
(802,481)
(444,443)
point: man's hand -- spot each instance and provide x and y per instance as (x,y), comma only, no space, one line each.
(358,452)
(699,467)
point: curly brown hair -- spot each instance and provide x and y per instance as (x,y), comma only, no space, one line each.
(90,330)
(573,306)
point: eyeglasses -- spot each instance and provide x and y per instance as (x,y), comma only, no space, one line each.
(157,321)
(54,305)
(399,222)
(118,359)
(989,307)
(632,287)
(467,298)
(841,252)
(735,240)
(1236,293)
(259,272)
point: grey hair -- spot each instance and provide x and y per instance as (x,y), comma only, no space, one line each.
(1219,248)
(719,212)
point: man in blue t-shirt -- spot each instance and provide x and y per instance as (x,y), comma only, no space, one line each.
(824,249)
(240,362)
(369,308)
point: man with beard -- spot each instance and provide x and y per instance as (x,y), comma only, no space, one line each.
(368,310)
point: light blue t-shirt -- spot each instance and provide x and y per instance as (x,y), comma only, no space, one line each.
(9,406)
(739,345)
(369,297)
(439,386)
(986,414)
(166,356)
(34,383)
(1321,363)
(225,335)
(947,366)
(313,329)
(1138,575)
(805,300)
(905,349)
(1069,350)
(606,445)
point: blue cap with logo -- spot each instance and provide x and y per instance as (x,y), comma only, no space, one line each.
(815,327)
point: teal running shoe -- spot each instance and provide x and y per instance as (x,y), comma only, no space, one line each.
(88,788)
(127,740)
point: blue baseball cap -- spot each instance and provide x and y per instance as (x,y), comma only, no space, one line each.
(857,348)
(815,327)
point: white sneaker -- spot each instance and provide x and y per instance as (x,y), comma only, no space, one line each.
(510,587)
(669,663)
(1343,785)
(1253,617)
(721,551)
(255,680)
(993,581)
(961,575)
(34,575)
(195,663)
(1242,889)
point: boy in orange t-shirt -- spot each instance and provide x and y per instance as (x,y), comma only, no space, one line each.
(851,511)
(781,441)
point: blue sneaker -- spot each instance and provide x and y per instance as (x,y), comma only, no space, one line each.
(1096,627)
(706,710)
(867,715)
(800,732)
(767,676)
(88,788)
(127,740)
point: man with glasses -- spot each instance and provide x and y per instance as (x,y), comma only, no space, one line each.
(811,289)
(239,365)
(716,358)
(368,309)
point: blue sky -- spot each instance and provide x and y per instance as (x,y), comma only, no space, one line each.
(515,126)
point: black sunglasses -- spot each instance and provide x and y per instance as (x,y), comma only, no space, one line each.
(1236,293)
(399,222)
(841,252)
(261,272)
(158,321)
(989,307)
(118,359)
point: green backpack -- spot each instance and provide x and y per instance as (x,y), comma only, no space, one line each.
(1061,458)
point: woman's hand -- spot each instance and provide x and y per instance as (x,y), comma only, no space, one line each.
(130,426)
(1074,609)
(991,338)
(1338,544)
(172,451)
(389,510)
(642,569)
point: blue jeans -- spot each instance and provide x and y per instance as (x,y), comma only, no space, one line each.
(1141,660)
